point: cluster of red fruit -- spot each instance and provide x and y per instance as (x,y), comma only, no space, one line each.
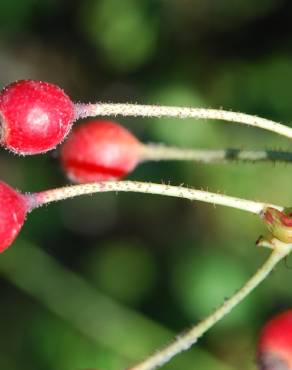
(35,117)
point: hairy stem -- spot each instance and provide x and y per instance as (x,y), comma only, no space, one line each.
(158,152)
(137,110)
(186,340)
(54,195)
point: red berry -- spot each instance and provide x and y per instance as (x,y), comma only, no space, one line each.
(100,150)
(35,116)
(13,209)
(275,343)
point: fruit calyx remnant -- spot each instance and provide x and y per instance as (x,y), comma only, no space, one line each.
(279,223)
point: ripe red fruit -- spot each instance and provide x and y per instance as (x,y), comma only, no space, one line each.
(13,209)
(35,116)
(99,150)
(275,343)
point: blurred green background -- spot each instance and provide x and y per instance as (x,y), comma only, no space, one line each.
(100,282)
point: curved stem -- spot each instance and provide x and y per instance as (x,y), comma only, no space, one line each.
(54,195)
(158,152)
(137,110)
(186,340)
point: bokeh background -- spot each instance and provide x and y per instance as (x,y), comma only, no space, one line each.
(100,282)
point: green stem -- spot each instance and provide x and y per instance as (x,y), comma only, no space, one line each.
(187,339)
(54,195)
(138,110)
(159,152)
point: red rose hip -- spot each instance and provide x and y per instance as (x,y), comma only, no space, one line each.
(35,116)
(99,150)
(13,209)
(275,343)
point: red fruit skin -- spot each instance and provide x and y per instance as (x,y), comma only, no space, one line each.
(99,150)
(275,343)
(35,116)
(13,210)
